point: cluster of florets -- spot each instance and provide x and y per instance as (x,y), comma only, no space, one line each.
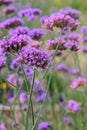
(19,30)
(44,126)
(11,23)
(80,81)
(60,20)
(34,57)
(13,79)
(14,44)
(65,43)
(73,106)
(9,9)
(2,62)
(30,13)
(71,12)
(2,126)
(14,64)
(6,2)
(68,120)
(84,31)
(36,34)
(62,67)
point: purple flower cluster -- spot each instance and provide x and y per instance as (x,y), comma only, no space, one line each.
(75,72)
(68,121)
(23,97)
(74,37)
(14,44)
(9,9)
(30,13)
(11,23)
(36,58)
(19,30)
(84,31)
(60,20)
(2,126)
(73,106)
(6,2)
(44,126)
(80,81)
(71,12)
(62,68)
(2,62)
(36,34)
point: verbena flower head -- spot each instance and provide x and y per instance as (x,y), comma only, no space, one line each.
(30,13)
(14,44)
(44,126)
(9,9)
(6,2)
(73,106)
(60,21)
(11,97)
(23,97)
(19,30)
(41,97)
(80,81)
(68,121)
(43,18)
(75,72)
(84,39)
(62,67)
(74,37)
(11,23)
(36,58)
(84,49)
(36,34)
(71,12)
(84,29)
(2,126)
(24,107)
(2,62)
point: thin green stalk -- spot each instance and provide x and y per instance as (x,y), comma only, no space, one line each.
(30,103)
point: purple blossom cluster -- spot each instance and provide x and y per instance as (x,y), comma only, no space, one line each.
(36,34)
(19,30)
(73,106)
(30,13)
(11,23)
(71,12)
(68,121)
(14,44)
(9,9)
(44,126)
(23,97)
(36,58)
(60,20)
(2,62)
(80,81)
(62,68)
(2,126)
(6,2)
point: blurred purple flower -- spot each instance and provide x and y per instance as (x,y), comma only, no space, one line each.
(44,126)
(23,97)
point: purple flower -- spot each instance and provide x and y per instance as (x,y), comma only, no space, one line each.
(19,31)
(68,121)
(9,9)
(24,107)
(36,34)
(14,44)
(71,12)
(41,97)
(73,106)
(6,2)
(11,23)
(2,62)
(62,68)
(15,64)
(84,29)
(2,126)
(60,21)
(23,97)
(75,72)
(36,58)
(30,13)
(11,97)
(80,81)
(44,126)
(43,18)
(84,49)
(74,37)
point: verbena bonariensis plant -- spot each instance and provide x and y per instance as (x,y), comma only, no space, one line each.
(33,81)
